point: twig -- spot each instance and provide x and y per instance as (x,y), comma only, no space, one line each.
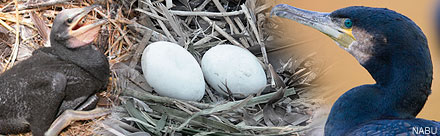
(3,23)
(156,36)
(229,21)
(252,23)
(11,59)
(169,4)
(7,5)
(199,8)
(155,16)
(263,7)
(15,21)
(287,129)
(240,24)
(145,96)
(257,35)
(210,14)
(140,48)
(115,43)
(33,6)
(161,24)
(206,39)
(172,21)
(222,32)
(116,25)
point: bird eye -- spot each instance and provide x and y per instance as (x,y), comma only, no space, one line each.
(348,23)
(69,20)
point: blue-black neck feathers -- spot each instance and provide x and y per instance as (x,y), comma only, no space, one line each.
(395,52)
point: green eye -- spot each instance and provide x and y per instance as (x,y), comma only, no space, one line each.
(348,23)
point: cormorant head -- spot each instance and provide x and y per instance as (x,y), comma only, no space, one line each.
(380,39)
(70,29)
(362,31)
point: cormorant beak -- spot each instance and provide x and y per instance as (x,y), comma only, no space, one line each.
(318,20)
(83,32)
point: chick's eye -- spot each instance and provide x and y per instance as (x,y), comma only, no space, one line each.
(348,23)
(69,20)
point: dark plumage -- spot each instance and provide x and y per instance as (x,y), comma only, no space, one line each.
(395,52)
(54,79)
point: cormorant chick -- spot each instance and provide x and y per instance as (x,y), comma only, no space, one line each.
(53,79)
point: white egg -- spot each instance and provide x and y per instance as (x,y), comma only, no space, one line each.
(235,67)
(172,71)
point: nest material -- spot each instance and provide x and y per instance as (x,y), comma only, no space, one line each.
(283,107)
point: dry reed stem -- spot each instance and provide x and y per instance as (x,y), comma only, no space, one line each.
(231,24)
(222,32)
(161,24)
(33,6)
(11,60)
(209,14)
(155,16)
(3,23)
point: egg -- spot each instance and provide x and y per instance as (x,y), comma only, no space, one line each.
(172,71)
(234,67)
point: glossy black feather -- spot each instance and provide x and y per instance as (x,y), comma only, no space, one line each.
(395,52)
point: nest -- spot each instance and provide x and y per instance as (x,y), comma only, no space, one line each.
(284,107)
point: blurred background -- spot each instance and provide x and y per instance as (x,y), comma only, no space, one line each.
(344,72)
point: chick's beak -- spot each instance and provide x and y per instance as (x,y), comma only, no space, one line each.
(83,32)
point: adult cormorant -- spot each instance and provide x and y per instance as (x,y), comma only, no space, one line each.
(54,79)
(395,52)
